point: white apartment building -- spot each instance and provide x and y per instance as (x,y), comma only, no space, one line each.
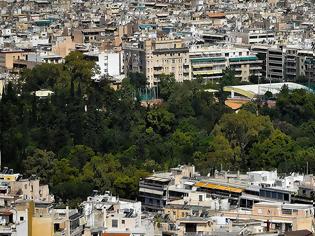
(210,62)
(253,36)
(109,214)
(110,64)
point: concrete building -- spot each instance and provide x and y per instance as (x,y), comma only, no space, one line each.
(210,62)
(7,58)
(110,64)
(107,214)
(275,64)
(63,46)
(279,216)
(285,63)
(156,190)
(31,190)
(254,36)
(157,57)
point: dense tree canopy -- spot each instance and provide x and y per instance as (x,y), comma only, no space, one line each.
(88,136)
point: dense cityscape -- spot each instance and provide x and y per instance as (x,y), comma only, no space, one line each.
(157,118)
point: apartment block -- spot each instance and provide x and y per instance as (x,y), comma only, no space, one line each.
(285,63)
(279,216)
(210,62)
(110,64)
(255,36)
(157,57)
(275,64)
(7,58)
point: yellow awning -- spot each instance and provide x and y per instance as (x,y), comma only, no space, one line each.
(218,187)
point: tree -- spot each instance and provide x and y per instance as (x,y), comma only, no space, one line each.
(275,152)
(45,76)
(138,80)
(80,69)
(160,120)
(268,95)
(40,163)
(63,171)
(243,130)
(79,155)
(228,79)
(219,155)
(167,86)
(251,107)
(296,106)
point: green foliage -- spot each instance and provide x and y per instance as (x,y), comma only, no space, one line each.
(243,130)
(160,120)
(137,80)
(167,86)
(296,107)
(274,152)
(40,163)
(87,136)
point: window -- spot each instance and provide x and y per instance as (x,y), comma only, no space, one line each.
(115,223)
(286,211)
(268,194)
(123,222)
(21,218)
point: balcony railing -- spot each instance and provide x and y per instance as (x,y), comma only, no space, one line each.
(197,234)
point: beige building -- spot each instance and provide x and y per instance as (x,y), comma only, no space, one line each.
(157,57)
(31,190)
(7,58)
(277,215)
(64,45)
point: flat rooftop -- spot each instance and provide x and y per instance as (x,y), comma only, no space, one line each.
(254,90)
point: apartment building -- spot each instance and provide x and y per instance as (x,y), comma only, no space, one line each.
(255,36)
(277,215)
(107,214)
(110,64)
(157,57)
(32,190)
(210,62)
(7,58)
(156,190)
(285,63)
(63,46)
(306,63)
(90,35)
(275,64)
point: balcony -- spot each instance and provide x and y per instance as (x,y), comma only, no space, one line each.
(255,68)
(198,234)
(280,62)
(7,229)
(275,55)
(60,233)
(275,67)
